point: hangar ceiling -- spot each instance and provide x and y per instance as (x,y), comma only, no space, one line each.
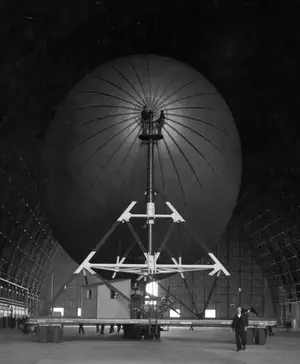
(41,61)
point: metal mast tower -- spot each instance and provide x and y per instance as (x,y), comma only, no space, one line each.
(151,134)
(150,269)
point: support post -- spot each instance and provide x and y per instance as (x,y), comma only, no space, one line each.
(177,299)
(191,297)
(150,183)
(210,293)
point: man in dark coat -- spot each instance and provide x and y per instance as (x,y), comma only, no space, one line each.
(160,122)
(239,325)
(81,329)
(145,119)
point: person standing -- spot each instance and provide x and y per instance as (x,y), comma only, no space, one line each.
(160,122)
(81,329)
(145,119)
(239,326)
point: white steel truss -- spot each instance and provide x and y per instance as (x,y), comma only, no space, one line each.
(151,266)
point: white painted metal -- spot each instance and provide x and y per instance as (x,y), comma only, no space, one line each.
(14,284)
(151,266)
(171,322)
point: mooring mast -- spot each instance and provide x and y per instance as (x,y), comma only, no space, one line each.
(151,134)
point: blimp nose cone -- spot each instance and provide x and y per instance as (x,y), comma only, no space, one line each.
(97,163)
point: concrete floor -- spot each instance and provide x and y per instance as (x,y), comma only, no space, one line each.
(204,345)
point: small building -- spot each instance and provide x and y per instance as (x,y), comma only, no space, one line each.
(99,301)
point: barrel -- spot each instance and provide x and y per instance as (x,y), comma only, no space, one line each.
(249,337)
(260,337)
(43,334)
(56,334)
(1,322)
(138,332)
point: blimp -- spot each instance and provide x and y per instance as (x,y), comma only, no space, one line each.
(143,163)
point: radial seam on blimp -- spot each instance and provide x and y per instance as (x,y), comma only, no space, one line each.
(138,77)
(131,145)
(128,81)
(193,146)
(199,134)
(108,141)
(191,107)
(104,117)
(108,95)
(176,91)
(198,120)
(161,171)
(118,148)
(102,107)
(166,88)
(190,97)
(176,171)
(119,88)
(103,130)
(186,159)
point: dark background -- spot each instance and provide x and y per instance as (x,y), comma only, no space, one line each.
(248,49)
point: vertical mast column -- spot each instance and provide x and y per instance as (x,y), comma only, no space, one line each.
(151,134)
(150,183)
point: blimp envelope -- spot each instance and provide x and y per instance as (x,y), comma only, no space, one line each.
(97,164)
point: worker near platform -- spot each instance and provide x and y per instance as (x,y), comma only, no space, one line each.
(239,326)
(160,122)
(81,329)
(145,119)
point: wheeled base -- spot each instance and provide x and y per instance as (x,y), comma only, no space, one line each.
(138,332)
(54,334)
(256,335)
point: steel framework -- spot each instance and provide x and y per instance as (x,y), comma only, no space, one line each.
(270,216)
(151,268)
(26,243)
(151,135)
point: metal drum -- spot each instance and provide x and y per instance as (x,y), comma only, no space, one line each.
(43,334)
(260,337)
(249,337)
(56,334)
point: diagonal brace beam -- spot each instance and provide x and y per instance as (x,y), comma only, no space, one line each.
(138,240)
(166,238)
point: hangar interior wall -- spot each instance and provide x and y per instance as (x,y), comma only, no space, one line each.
(26,242)
(222,293)
(268,218)
(60,270)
